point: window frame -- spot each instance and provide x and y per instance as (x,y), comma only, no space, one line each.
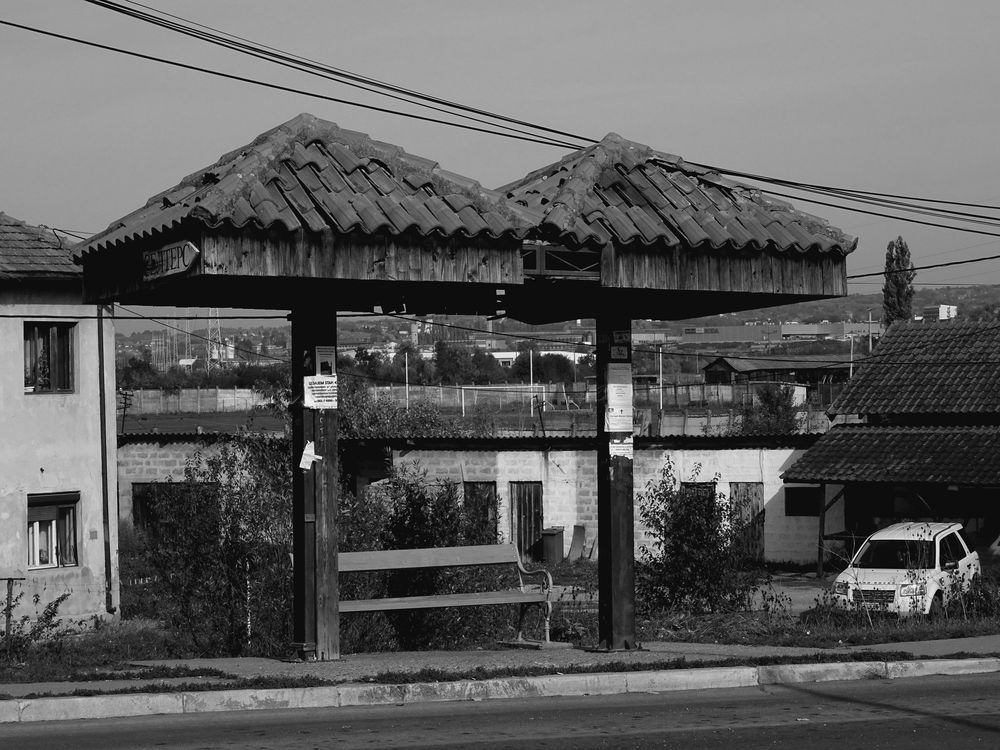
(60,357)
(58,512)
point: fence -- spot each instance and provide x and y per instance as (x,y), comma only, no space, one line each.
(505,397)
(192,400)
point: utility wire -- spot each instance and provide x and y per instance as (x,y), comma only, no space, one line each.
(270,54)
(275,86)
(346,74)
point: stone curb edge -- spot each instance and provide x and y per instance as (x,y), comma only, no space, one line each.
(608,683)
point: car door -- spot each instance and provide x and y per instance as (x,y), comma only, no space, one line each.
(955,561)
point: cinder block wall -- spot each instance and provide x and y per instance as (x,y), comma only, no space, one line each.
(151,461)
(569,487)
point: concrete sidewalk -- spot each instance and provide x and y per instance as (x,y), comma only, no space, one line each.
(351,680)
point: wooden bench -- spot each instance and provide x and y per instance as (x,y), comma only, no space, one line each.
(450,557)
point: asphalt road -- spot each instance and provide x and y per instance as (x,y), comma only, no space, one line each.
(931,712)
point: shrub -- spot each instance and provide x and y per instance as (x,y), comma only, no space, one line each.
(26,631)
(216,554)
(702,555)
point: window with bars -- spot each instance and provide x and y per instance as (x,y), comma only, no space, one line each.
(48,357)
(52,529)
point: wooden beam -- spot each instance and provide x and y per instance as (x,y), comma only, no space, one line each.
(615,511)
(316,621)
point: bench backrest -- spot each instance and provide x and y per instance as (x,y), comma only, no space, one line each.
(431,557)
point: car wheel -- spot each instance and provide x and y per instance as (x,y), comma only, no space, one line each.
(936,612)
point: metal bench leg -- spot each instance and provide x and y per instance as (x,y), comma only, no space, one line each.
(548,615)
(520,621)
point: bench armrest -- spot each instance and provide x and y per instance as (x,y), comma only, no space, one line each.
(522,571)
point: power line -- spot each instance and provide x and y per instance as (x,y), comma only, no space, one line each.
(275,86)
(305,65)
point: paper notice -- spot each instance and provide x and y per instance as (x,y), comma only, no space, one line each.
(309,456)
(618,420)
(622,448)
(320,391)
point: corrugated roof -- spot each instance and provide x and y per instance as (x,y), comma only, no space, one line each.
(936,455)
(928,368)
(790,362)
(33,252)
(619,192)
(311,174)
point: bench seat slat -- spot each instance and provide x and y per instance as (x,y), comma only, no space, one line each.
(434,557)
(444,600)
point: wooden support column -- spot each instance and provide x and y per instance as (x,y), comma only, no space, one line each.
(615,530)
(316,616)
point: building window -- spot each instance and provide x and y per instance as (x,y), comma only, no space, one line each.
(48,357)
(803,501)
(52,529)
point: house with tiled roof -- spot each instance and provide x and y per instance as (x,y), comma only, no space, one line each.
(917,435)
(58,516)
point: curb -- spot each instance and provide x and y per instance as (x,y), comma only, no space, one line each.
(609,683)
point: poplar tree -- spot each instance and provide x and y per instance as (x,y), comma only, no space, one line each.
(897,291)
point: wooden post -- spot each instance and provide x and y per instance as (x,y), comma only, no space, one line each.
(316,620)
(615,532)
(822,532)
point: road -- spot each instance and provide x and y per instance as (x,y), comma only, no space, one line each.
(950,712)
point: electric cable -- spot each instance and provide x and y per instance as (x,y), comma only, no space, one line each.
(275,86)
(270,54)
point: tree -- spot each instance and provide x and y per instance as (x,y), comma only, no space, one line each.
(770,410)
(897,290)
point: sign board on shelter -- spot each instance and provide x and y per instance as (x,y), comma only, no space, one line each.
(170,260)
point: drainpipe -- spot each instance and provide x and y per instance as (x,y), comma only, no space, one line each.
(105,500)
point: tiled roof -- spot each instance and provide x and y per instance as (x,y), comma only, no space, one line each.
(937,455)
(32,252)
(620,192)
(928,368)
(789,362)
(311,174)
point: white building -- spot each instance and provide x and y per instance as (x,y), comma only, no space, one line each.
(58,511)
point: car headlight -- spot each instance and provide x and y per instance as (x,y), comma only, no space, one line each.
(913,589)
(840,588)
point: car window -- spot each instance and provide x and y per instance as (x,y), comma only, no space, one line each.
(951,550)
(896,554)
(965,538)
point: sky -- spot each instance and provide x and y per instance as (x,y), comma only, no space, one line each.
(890,96)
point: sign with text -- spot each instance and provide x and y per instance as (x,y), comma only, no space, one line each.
(168,261)
(320,392)
(618,416)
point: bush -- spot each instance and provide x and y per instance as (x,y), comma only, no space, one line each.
(703,555)
(215,561)
(26,632)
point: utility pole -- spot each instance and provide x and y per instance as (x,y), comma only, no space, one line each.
(870,331)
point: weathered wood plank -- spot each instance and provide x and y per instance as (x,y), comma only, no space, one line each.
(443,600)
(433,557)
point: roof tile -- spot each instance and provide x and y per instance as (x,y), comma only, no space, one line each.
(573,192)
(939,455)
(933,368)
(33,252)
(286,173)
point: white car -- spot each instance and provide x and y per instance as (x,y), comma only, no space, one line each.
(908,568)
